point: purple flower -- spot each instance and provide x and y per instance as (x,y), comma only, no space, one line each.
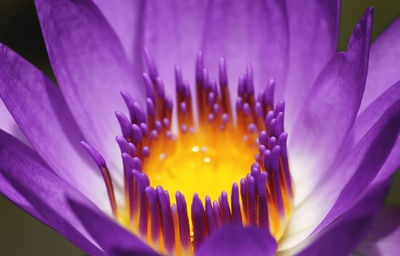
(304,176)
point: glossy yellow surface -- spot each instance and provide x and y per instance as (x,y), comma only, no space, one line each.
(202,163)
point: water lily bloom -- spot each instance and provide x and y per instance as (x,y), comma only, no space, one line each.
(205,128)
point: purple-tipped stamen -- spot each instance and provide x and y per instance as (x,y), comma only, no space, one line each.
(264,195)
(101,163)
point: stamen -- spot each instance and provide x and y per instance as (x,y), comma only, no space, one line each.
(150,64)
(99,160)
(167,222)
(199,225)
(123,144)
(251,200)
(136,134)
(143,218)
(282,141)
(210,215)
(276,180)
(149,87)
(236,215)
(128,164)
(130,102)
(125,124)
(226,213)
(217,214)
(184,229)
(262,200)
(245,159)
(154,216)
(243,194)
(268,99)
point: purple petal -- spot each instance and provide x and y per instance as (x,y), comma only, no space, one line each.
(330,110)
(364,163)
(114,239)
(91,69)
(235,240)
(347,179)
(384,235)
(342,236)
(375,110)
(246,32)
(366,120)
(384,63)
(172,33)
(8,124)
(125,17)
(313,34)
(26,180)
(378,164)
(7,189)
(41,113)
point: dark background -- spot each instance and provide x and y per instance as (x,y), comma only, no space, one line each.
(21,234)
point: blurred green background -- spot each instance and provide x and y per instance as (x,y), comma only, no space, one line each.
(21,234)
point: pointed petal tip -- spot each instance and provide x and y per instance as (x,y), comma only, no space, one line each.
(368,16)
(362,32)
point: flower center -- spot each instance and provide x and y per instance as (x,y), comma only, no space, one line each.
(202,163)
(240,168)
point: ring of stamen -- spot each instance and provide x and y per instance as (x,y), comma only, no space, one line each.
(209,160)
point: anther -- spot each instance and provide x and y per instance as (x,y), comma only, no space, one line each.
(125,124)
(178,79)
(136,134)
(154,214)
(149,86)
(210,215)
(199,227)
(127,162)
(217,214)
(252,200)
(123,144)
(243,195)
(167,222)
(226,213)
(99,160)
(269,92)
(158,126)
(223,77)
(263,138)
(272,142)
(142,184)
(150,64)
(139,116)
(280,107)
(225,118)
(160,88)
(137,164)
(184,229)
(262,200)
(132,149)
(276,181)
(249,81)
(279,124)
(236,214)
(148,145)
(130,102)
(199,67)
(242,86)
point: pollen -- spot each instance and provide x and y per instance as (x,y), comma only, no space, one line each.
(203,163)
(225,163)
